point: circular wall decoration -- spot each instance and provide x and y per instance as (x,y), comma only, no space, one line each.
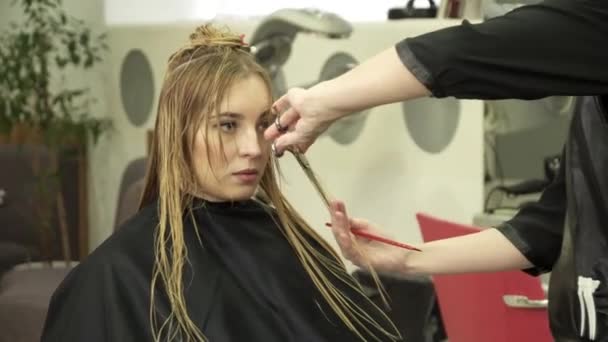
(347,129)
(137,87)
(432,122)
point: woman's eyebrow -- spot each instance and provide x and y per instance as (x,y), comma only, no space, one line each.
(234,115)
(230,115)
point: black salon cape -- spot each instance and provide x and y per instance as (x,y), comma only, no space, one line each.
(244,283)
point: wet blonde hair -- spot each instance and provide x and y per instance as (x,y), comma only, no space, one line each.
(197,79)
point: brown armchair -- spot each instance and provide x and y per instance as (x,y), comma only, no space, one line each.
(130,191)
(20,195)
(25,291)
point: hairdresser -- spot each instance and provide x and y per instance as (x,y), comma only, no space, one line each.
(556,47)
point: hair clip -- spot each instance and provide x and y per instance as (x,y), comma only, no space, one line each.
(242,37)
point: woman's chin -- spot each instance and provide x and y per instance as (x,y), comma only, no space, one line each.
(230,193)
(242,194)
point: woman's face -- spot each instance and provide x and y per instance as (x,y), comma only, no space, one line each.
(234,174)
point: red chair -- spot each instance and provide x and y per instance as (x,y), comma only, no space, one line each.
(487,307)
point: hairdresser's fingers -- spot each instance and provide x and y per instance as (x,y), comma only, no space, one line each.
(289,119)
(340,226)
(285,101)
(344,239)
(340,206)
(334,205)
(357,223)
(341,231)
(281,124)
(301,140)
(287,113)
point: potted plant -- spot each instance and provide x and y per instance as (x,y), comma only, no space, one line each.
(37,103)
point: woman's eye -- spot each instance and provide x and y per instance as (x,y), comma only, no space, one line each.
(228,126)
(265,123)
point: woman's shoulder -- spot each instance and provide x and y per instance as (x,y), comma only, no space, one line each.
(113,279)
(132,241)
(147,216)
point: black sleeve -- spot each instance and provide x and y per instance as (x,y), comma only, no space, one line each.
(537,229)
(557,47)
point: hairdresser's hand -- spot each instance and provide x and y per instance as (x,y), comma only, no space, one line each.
(306,114)
(383,258)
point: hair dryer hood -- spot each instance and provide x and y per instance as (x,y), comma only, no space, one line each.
(271,42)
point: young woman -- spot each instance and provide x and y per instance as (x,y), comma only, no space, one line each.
(204,260)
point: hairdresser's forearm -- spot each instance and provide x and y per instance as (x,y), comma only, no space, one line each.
(380,80)
(486,251)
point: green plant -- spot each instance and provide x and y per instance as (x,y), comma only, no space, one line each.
(36,54)
(40,55)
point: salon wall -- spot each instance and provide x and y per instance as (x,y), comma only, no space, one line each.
(386,174)
(138,12)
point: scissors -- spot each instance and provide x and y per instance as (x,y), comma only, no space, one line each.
(305,165)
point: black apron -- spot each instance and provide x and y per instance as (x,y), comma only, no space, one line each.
(578,290)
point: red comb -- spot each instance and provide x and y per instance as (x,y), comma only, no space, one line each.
(370,236)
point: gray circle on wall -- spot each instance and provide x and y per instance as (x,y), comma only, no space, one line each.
(432,122)
(346,130)
(137,87)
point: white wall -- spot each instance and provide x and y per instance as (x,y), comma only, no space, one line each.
(152,11)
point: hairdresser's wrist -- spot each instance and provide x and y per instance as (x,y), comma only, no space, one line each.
(411,263)
(328,97)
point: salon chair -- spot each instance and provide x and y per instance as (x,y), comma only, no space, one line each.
(481,307)
(24,291)
(20,196)
(130,191)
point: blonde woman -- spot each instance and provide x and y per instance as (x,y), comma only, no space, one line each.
(203,260)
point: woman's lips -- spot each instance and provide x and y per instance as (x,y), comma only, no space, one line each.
(247,175)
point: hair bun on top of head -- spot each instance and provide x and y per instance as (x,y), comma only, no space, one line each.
(205,39)
(209,36)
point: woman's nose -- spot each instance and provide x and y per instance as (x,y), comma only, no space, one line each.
(250,144)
